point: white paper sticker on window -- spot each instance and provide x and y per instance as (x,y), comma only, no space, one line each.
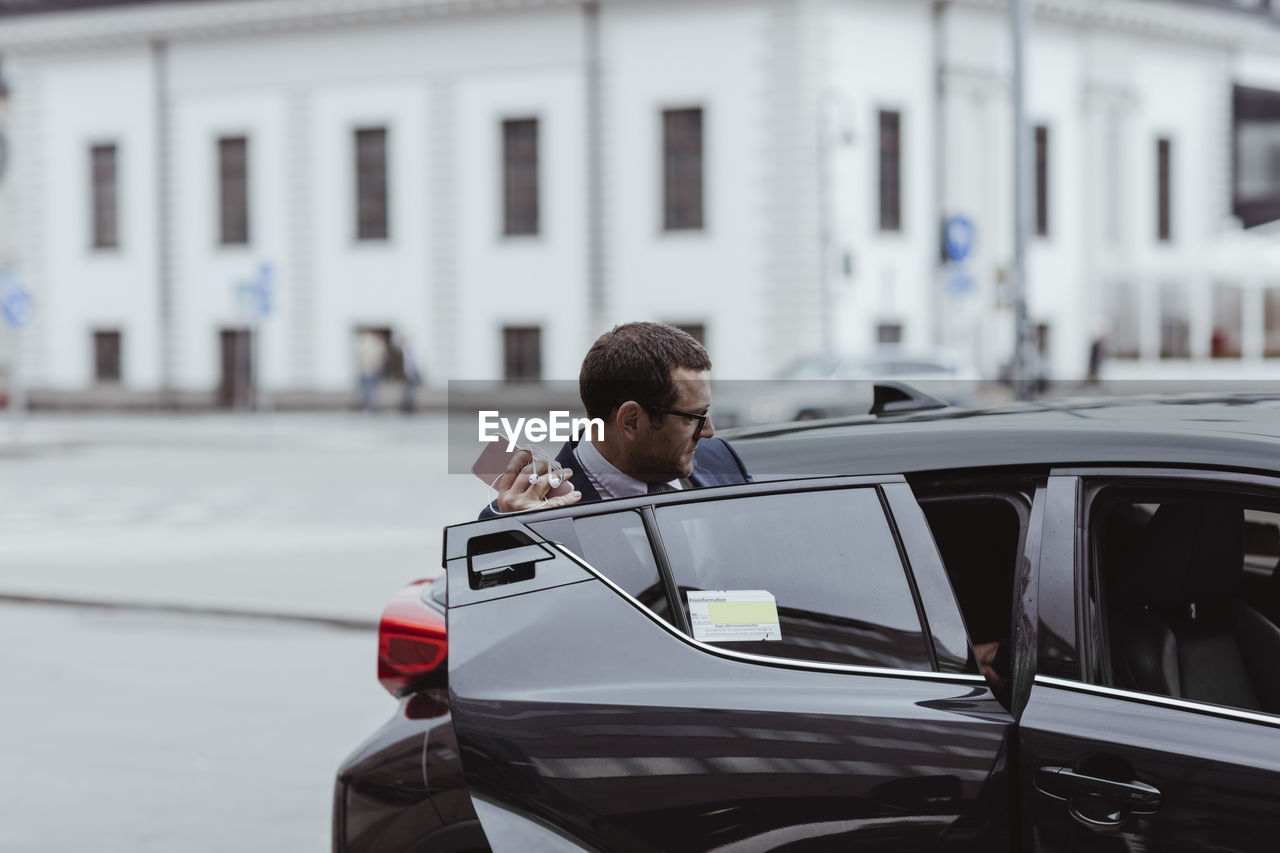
(733,615)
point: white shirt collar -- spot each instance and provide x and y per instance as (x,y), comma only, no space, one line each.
(606,478)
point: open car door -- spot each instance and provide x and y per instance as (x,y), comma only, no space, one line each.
(740,668)
(1150,686)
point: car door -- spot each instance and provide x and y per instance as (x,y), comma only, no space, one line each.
(590,716)
(1111,767)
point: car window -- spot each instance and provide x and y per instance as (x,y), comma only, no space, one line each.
(828,559)
(616,544)
(813,367)
(980,568)
(902,368)
(1185,600)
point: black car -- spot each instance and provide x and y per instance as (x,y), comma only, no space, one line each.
(790,664)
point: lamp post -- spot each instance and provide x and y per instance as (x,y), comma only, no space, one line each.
(1018,13)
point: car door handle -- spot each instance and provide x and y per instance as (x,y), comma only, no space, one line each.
(510,565)
(1065,783)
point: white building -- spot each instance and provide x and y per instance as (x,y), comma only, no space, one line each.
(1152,160)
(499,182)
(7,244)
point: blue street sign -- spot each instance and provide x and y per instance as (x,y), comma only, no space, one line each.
(959,238)
(257,295)
(15,301)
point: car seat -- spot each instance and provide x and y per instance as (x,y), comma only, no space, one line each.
(1182,631)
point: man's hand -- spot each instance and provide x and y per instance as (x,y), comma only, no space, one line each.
(985,655)
(515,492)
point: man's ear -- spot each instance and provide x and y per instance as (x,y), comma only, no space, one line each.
(628,418)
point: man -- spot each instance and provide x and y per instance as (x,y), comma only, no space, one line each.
(651,386)
(371,360)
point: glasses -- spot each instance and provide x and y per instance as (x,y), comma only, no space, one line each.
(701,419)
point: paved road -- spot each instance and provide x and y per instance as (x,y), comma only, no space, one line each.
(127,732)
(324,515)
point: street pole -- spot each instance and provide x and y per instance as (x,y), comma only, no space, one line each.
(825,306)
(262,398)
(164,217)
(597,308)
(1021,381)
(17,393)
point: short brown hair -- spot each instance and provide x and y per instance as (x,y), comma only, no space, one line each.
(634,361)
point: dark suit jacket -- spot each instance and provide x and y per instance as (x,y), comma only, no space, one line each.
(714,464)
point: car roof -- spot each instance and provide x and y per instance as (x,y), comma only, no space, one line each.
(1237,431)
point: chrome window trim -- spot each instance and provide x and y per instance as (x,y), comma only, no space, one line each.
(747,657)
(1166,701)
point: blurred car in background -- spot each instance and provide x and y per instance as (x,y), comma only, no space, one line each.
(829,386)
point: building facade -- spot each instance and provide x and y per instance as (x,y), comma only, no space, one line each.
(210,195)
(7,227)
(1155,146)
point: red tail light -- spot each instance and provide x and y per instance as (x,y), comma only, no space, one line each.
(412,642)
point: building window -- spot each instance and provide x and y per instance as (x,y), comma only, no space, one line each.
(1042,180)
(521,353)
(1175,321)
(1271,339)
(1256,130)
(371,184)
(890,171)
(520,177)
(377,353)
(106,355)
(1228,321)
(236,354)
(1164,227)
(682,170)
(889,333)
(697,331)
(105,202)
(233,191)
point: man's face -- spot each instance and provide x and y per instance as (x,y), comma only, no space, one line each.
(665,452)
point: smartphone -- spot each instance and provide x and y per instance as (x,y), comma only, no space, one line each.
(493,460)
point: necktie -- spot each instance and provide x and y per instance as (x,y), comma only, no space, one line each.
(659,488)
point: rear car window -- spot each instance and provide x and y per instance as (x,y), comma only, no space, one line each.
(829,560)
(618,546)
